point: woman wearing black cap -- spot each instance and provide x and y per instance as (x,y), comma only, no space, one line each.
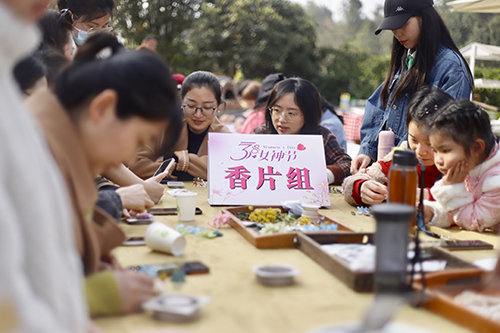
(423,53)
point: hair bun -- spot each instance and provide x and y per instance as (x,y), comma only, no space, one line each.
(62,4)
(96,43)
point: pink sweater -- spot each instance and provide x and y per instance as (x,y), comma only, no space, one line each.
(475,203)
(255,119)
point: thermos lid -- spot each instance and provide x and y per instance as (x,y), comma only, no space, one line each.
(405,157)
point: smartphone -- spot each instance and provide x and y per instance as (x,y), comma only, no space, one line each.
(169,211)
(175,184)
(458,245)
(134,241)
(167,269)
(166,165)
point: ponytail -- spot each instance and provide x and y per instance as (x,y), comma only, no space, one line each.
(141,80)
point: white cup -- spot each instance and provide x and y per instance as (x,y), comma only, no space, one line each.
(186,205)
(161,238)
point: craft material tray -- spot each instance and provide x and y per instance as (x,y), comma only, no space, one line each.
(273,241)
(442,287)
(359,281)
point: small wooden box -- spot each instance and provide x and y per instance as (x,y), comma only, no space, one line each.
(442,287)
(272,241)
(358,281)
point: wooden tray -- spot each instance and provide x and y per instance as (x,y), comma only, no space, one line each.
(358,281)
(272,241)
(442,287)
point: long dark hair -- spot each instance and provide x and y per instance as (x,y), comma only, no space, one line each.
(56,29)
(306,97)
(425,104)
(433,33)
(87,10)
(141,80)
(202,79)
(465,122)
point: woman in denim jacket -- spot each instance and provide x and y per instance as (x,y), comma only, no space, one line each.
(423,53)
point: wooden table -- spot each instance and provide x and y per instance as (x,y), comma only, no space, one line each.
(240,304)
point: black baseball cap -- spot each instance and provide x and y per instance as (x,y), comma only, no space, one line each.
(398,12)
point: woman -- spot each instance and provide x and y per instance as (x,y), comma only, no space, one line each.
(88,16)
(40,272)
(423,53)
(104,109)
(56,31)
(294,107)
(201,100)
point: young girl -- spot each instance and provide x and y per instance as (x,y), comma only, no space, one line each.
(370,187)
(201,99)
(104,109)
(294,107)
(467,153)
(423,53)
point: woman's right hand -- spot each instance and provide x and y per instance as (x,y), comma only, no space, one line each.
(153,186)
(135,197)
(135,288)
(359,162)
(373,192)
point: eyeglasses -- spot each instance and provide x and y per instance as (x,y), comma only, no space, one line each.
(94,29)
(205,110)
(290,116)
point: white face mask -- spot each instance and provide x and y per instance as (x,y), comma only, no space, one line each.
(82,36)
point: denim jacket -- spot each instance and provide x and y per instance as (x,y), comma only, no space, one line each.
(448,73)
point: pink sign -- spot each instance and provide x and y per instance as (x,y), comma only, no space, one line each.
(249,169)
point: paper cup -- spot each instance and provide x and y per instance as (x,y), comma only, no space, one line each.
(186,205)
(161,238)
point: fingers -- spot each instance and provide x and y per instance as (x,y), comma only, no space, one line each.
(373,192)
(158,178)
(154,188)
(456,174)
(135,288)
(359,162)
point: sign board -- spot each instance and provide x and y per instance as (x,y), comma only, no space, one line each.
(266,169)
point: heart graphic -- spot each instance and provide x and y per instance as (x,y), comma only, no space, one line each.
(301,147)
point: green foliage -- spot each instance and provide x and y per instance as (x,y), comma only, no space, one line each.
(264,36)
(346,69)
(166,19)
(488,70)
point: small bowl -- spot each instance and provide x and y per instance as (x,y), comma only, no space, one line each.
(275,275)
(178,308)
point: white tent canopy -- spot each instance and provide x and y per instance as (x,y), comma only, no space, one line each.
(476,6)
(481,52)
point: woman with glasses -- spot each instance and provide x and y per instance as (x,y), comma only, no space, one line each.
(294,107)
(201,96)
(87,16)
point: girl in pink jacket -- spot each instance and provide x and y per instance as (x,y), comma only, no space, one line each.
(467,154)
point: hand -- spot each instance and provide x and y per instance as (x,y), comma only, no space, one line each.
(428,214)
(456,174)
(135,197)
(153,186)
(427,196)
(359,162)
(372,192)
(135,288)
